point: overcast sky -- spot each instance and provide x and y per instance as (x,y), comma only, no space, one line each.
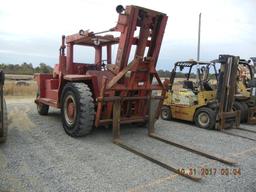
(30,31)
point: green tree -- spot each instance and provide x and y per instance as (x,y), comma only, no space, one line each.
(25,68)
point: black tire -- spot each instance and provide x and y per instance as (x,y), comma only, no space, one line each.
(251,103)
(42,109)
(252,83)
(3,132)
(237,106)
(80,121)
(205,118)
(246,109)
(166,113)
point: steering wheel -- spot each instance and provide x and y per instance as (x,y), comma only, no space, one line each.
(103,65)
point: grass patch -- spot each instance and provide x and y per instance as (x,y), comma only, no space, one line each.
(12,89)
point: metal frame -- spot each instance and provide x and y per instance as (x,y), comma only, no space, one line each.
(190,64)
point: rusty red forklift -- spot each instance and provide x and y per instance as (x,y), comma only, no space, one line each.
(85,92)
(103,93)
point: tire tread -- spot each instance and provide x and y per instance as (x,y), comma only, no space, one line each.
(86,109)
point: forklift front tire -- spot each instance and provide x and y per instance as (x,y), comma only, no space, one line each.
(205,118)
(77,109)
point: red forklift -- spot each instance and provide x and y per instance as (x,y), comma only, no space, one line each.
(109,92)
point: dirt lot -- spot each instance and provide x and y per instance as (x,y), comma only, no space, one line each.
(39,156)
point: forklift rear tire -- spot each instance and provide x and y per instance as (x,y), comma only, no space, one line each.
(77,109)
(166,113)
(205,118)
(42,109)
(3,132)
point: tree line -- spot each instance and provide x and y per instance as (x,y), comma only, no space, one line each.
(25,68)
(28,69)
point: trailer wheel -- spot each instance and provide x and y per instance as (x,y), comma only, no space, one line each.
(77,109)
(4,130)
(239,106)
(166,113)
(205,118)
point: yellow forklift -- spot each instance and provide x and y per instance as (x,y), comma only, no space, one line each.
(252,83)
(244,98)
(205,99)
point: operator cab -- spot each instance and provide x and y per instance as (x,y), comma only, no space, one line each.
(188,79)
(93,44)
(194,76)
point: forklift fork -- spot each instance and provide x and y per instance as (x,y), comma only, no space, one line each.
(151,132)
(117,140)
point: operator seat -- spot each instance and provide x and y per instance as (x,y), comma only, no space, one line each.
(100,74)
(206,86)
(188,85)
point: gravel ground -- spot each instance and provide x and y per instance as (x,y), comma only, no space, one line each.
(39,156)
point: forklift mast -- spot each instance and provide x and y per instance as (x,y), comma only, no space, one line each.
(226,88)
(253,80)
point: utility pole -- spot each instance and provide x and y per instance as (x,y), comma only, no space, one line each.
(199,36)
(198,79)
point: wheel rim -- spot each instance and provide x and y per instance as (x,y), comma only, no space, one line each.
(165,114)
(70,110)
(203,119)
